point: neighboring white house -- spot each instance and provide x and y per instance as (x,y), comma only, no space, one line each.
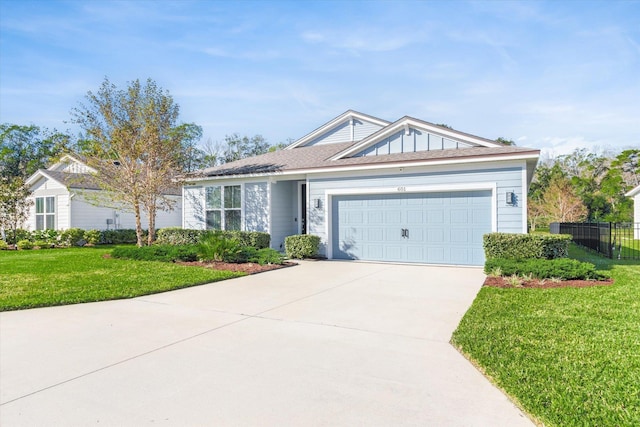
(403,191)
(66,196)
(635,195)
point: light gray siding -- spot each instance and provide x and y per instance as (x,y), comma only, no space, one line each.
(256,201)
(507,179)
(343,132)
(193,206)
(90,210)
(363,129)
(283,206)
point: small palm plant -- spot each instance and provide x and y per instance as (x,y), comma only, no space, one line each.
(214,247)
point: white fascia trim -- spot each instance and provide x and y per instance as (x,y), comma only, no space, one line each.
(525,193)
(41,173)
(633,191)
(349,115)
(390,130)
(436,188)
(350,168)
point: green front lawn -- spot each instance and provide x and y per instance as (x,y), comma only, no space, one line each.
(568,356)
(49,277)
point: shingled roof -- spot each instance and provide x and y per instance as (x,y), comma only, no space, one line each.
(85,181)
(318,157)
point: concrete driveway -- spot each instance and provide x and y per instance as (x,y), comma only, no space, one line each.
(318,344)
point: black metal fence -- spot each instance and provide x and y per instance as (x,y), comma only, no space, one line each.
(615,240)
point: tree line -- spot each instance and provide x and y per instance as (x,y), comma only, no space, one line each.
(135,141)
(584,186)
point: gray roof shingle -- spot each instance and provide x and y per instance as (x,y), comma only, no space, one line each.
(317,157)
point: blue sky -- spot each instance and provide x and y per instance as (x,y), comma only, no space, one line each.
(550,75)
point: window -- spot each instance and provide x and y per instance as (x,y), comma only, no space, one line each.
(45,213)
(223,207)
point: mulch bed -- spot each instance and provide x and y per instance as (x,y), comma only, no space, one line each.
(247,267)
(502,282)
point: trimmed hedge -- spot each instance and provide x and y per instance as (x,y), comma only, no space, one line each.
(560,268)
(302,246)
(521,246)
(179,236)
(157,253)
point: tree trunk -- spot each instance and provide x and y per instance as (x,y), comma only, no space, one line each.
(151,211)
(136,210)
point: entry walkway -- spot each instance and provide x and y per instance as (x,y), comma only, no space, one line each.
(318,344)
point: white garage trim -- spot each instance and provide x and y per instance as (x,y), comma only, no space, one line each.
(477,186)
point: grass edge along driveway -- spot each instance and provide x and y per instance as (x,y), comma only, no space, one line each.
(567,356)
(43,278)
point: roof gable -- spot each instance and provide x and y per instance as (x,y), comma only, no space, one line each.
(410,135)
(71,164)
(349,126)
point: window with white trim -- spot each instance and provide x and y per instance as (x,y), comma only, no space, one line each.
(223,207)
(45,213)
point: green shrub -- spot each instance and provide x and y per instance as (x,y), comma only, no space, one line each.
(92,237)
(267,256)
(521,246)
(214,246)
(24,244)
(48,236)
(14,237)
(254,239)
(42,244)
(117,237)
(166,253)
(561,268)
(179,236)
(3,245)
(302,246)
(72,237)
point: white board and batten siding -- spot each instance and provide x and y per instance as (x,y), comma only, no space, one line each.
(256,202)
(283,207)
(193,208)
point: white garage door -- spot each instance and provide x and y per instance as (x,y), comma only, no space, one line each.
(434,228)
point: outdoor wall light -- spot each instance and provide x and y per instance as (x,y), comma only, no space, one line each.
(511,198)
(317,203)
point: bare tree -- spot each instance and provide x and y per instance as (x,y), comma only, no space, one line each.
(560,202)
(135,143)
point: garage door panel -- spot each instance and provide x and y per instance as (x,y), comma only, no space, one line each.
(444,228)
(375,218)
(394,252)
(459,216)
(435,235)
(435,216)
(415,217)
(393,217)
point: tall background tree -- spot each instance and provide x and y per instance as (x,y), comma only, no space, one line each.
(133,139)
(596,180)
(23,150)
